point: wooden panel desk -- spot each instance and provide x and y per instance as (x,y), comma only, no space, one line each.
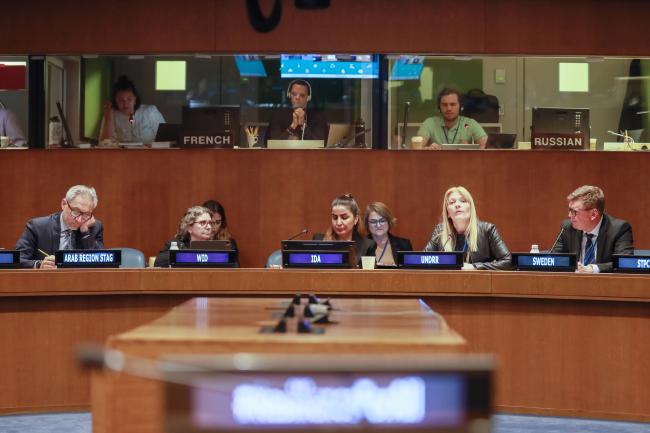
(566,344)
(125,403)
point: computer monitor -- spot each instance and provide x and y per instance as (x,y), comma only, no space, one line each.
(329,66)
(501,141)
(318,254)
(250,66)
(407,68)
(211,126)
(560,128)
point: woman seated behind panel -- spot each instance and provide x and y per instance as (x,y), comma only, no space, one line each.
(220,230)
(380,221)
(461,230)
(195,225)
(345,226)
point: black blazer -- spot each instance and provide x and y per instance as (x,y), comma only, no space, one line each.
(317,127)
(396,244)
(363,246)
(492,253)
(162,259)
(45,233)
(614,237)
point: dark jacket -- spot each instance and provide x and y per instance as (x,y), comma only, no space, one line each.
(363,246)
(317,128)
(492,252)
(45,233)
(396,244)
(614,237)
(162,259)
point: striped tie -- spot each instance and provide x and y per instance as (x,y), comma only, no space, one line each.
(67,240)
(590,248)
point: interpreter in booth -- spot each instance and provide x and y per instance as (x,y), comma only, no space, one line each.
(346,225)
(380,221)
(451,127)
(195,225)
(10,128)
(298,122)
(126,119)
(461,230)
(74,228)
(591,234)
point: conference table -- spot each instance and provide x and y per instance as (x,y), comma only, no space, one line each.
(565,344)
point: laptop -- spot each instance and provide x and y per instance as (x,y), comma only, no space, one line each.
(168,132)
(340,135)
(501,141)
(295,144)
(212,245)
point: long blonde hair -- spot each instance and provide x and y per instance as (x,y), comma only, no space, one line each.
(449,232)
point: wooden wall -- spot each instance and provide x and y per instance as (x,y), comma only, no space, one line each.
(272,194)
(587,27)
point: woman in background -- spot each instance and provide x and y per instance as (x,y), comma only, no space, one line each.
(195,225)
(461,230)
(220,230)
(380,221)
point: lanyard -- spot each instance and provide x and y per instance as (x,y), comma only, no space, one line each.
(444,129)
(383,251)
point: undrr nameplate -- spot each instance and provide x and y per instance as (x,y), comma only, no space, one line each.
(202,259)
(635,264)
(547,262)
(88,258)
(9,259)
(316,259)
(430,259)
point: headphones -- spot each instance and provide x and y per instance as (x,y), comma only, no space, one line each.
(301,83)
(449,91)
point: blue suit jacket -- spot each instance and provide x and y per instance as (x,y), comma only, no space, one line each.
(45,233)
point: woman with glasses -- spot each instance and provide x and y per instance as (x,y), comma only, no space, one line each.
(345,226)
(380,221)
(461,230)
(195,225)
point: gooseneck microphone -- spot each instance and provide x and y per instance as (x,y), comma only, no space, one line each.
(407,106)
(301,232)
(557,239)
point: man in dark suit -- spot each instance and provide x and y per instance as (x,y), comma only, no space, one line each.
(592,234)
(75,227)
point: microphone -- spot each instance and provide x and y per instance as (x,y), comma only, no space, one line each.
(407,106)
(131,119)
(301,232)
(557,239)
(304,126)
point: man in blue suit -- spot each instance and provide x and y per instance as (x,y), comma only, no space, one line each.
(75,227)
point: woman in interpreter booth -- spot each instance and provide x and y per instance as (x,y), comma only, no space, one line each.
(379,220)
(346,225)
(461,230)
(195,225)
(126,119)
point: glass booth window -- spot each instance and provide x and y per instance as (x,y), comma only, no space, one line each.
(14,110)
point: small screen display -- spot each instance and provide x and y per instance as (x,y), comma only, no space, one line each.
(200,257)
(250,66)
(634,263)
(431,259)
(88,258)
(316,258)
(543,261)
(7,257)
(407,68)
(329,66)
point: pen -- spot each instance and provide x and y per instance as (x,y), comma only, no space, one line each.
(43,252)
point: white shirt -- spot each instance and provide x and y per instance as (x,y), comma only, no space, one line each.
(143,129)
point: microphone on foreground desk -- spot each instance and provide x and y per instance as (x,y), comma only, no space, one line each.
(557,239)
(301,232)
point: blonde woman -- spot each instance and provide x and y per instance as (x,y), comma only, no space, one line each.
(195,225)
(461,230)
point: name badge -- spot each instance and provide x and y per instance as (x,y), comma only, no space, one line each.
(430,259)
(634,264)
(547,262)
(88,258)
(316,259)
(9,259)
(202,258)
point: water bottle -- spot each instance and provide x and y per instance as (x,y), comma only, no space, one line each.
(173,246)
(534,249)
(55,132)
(360,133)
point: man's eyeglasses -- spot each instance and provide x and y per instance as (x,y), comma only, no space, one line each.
(77,214)
(203,223)
(574,212)
(379,222)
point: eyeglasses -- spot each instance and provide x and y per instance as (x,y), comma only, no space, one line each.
(379,222)
(574,212)
(77,214)
(203,223)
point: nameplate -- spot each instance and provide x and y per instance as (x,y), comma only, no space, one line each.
(9,259)
(546,262)
(635,264)
(204,140)
(430,259)
(316,259)
(88,258)
(552,141)
(202,258)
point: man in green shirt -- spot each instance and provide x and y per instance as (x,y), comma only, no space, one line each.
(451,128)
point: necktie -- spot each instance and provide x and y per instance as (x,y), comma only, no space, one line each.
(590,248)
(67,240)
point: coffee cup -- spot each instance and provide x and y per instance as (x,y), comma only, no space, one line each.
(417,142)
(368,262)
